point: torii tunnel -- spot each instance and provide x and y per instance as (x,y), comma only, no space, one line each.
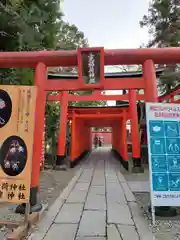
(83,119)
(90,64)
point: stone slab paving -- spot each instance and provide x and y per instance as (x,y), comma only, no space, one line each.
(92,224)
(119,214)
(90,238)
(139,186)
(70,213)
(127,192)
(95,202)
(98,204)
(97,190)
(128,232)
(113,233)
(82,186)
(61,231)
(77,196)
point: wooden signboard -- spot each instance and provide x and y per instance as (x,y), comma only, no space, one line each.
(91,66)
(17,118)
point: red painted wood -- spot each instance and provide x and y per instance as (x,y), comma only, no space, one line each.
(134,125)
(62,124)
(40,76)
(150,81)
(69,58)
(94,97)
(109,84)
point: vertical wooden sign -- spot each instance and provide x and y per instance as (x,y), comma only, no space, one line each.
(17,118)
(91,66)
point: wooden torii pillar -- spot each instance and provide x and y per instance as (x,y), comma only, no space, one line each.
(151,95)
(136,151)
(40,78)
(61,149)
(149,75)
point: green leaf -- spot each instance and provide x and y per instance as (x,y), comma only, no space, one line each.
(163,23)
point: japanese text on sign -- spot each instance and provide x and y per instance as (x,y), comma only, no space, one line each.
(165,111)
(163,126)
(17,109)
(10,191)
(91,67)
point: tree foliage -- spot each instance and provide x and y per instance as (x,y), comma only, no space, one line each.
(31,25)
(69,37)
(87,103)
(27,26)
(163,22)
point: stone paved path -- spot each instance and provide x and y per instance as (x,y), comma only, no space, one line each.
(96,205)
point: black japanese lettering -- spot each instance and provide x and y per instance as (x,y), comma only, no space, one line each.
(13,187)
(5,186)
(22,187)
(11,195)
(21,196)
(1,194)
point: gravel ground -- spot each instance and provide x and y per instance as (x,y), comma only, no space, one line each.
(165,228)
(51,184)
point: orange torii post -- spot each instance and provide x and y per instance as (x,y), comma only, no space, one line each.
(40,78)
(119,144)
(150,81)
(136,156)
(80,143)
(62,128)
(43,59)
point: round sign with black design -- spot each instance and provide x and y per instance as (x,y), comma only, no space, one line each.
(5,108)
(13,155)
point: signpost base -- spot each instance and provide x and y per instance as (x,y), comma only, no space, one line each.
(164,211)
(60,163)
(59,160)
(21,229)
(21,209)
(35,205)
(153,215)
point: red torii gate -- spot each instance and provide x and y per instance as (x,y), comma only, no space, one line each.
(83,118)
(65,97)
(43,59)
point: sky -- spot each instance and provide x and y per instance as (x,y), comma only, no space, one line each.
(109,23)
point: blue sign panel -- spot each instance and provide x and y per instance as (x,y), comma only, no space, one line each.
(173,145)
(173,163)
(159,163)
(160,181)
(156,128)
(171,128)
(174,181)
(157,145)
(163,131)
